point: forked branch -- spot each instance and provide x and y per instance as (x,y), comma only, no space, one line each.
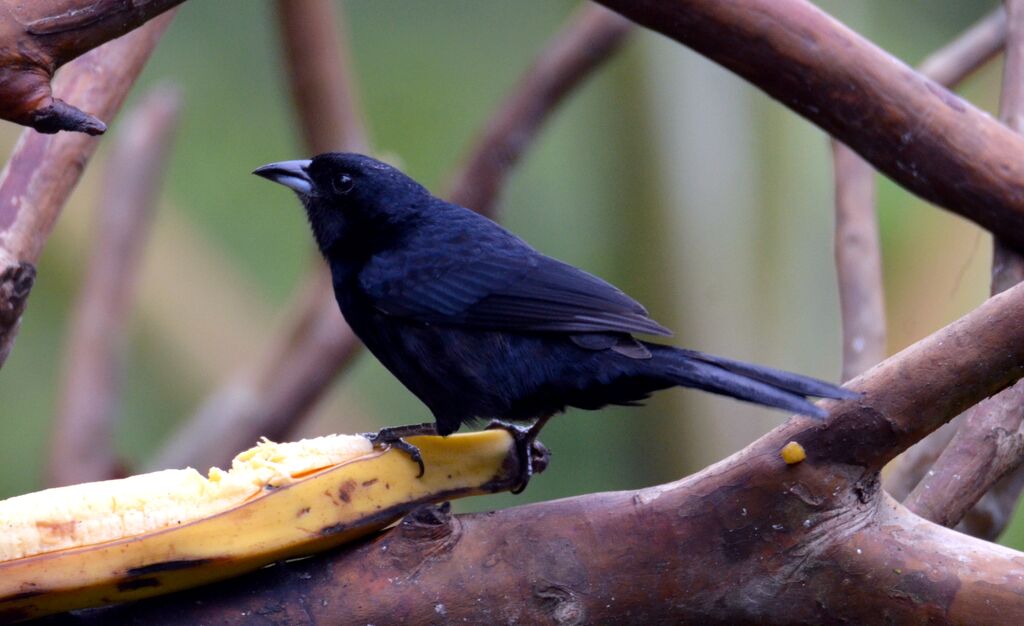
(990,441)
(43,170)
(909,127)
(857,246)
(41,36)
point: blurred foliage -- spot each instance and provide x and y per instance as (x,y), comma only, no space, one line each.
(596,190)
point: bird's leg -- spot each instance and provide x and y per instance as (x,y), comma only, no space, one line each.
(533,456)
(395,436)
(537,426)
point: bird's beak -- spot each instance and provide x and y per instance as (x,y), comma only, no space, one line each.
(292,174)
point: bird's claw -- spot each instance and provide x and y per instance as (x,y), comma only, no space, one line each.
(395,438)
(533,456)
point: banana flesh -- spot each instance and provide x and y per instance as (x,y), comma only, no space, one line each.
(153,534)
(92,513)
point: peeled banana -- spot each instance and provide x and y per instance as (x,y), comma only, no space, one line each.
(113,541)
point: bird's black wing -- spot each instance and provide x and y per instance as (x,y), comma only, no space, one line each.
(497,282)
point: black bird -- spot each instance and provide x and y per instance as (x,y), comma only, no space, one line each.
(480,325)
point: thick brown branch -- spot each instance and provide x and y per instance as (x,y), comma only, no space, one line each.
(563,562)
(42,35)
(927,139)
(43,170)
(812,542)
(953,369)
(316,344)
(83,435)
(592,36)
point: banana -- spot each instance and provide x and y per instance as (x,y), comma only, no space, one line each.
(269,506)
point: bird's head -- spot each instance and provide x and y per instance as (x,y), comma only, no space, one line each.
(350,199)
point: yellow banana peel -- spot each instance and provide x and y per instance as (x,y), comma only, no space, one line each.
(291,509)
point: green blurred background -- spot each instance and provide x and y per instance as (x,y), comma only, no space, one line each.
(665,174)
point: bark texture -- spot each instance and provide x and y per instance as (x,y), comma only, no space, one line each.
(989,444)
(40,175)
(42,35)
(909,127)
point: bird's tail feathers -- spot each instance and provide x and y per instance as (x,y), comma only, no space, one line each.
(803,385)
(744,381)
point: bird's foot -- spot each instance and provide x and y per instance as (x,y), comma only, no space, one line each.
(533,456)
(395,437)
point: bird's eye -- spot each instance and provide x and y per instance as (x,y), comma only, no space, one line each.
(343,183)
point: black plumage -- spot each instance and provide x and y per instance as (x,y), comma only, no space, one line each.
(480,325)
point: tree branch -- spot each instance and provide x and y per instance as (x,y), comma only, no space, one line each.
(855,218)
(925,138)
(858,253)
(562,562)
(957,60)
(592,36)
(857,247)
(990,441)
(812,542)
(815,541)
(988,444)
(953,369)
(43,35)
(43,170)
(907,470)
(316,344)
(1008,265)
(992,514)
(320,75)
(83,437)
